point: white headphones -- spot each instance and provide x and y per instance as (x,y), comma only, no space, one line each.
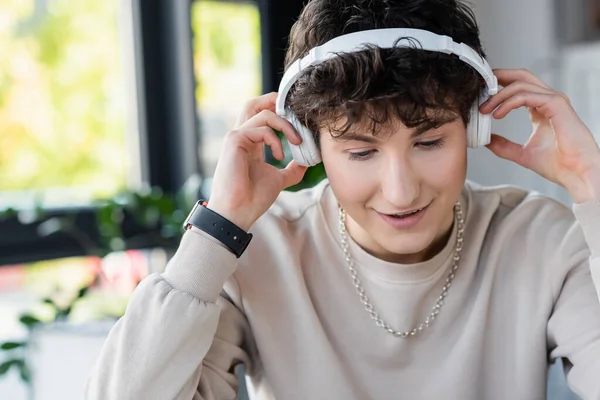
(479,128)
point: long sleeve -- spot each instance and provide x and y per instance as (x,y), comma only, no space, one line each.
(179,339)
(588,215)
(574,326)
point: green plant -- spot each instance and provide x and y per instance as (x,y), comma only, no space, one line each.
(157,218)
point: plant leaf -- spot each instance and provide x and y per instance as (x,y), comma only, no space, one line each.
(12,345)
(7,365)
(51,302)
(24,371)
(29,320)
(63,313)
(82,292)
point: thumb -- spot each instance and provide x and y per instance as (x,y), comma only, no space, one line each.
(293,173)
(504,148)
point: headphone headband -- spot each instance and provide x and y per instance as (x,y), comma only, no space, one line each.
(384,38)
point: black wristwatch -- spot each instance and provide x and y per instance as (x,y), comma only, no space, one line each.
(219,227)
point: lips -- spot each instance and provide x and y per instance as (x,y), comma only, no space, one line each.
(405,220)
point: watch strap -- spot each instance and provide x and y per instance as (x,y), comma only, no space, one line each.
(219,227)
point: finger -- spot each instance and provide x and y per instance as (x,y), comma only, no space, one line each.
(276,122)
(504,148)
(548,104)
(490,104)
(293,173)
(265,135)
(508,76)
(256,105)
(569,129)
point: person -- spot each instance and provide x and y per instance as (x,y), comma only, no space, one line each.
(395,277)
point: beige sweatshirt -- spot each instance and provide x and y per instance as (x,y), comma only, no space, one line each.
(524,294)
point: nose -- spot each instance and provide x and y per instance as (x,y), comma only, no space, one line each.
(400,184)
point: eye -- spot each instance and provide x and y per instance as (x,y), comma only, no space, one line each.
(431,144)
(363,155)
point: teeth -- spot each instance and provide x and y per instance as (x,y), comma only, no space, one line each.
(407,214)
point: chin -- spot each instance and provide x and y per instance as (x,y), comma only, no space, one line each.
(406,244)
(403,246)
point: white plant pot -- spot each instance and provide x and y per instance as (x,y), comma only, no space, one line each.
(61,357)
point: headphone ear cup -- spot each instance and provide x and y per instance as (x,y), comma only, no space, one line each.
(306,153)
(484,122)
(479,130)
(473,127)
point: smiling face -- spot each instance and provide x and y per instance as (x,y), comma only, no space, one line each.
(400,88)
(396,172)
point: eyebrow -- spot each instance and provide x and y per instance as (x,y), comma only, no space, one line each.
(372,139)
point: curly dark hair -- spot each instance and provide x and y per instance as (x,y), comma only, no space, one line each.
(421,88)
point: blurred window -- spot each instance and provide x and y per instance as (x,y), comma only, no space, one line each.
(62,102)
(227,64)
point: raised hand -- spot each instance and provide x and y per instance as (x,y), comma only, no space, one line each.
(561,148)
(244,185)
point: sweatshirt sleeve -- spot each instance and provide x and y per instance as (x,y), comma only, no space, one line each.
(574,325)
(179,338)
(588,216)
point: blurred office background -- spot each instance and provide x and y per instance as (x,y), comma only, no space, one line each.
(112,114)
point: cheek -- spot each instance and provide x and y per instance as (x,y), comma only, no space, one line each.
(349,181)
(445,168)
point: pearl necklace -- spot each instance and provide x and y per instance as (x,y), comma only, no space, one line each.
(440,301)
